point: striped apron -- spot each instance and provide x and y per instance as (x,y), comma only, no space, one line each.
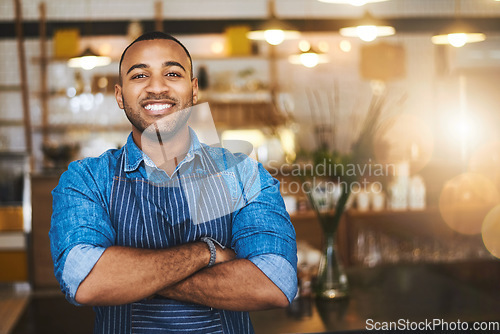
(151,215)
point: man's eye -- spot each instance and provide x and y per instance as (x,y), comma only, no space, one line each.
(173,74)
(139,76)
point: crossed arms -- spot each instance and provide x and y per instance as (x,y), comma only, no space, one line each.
(124,275)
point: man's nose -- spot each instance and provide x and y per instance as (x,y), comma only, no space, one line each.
(157,84)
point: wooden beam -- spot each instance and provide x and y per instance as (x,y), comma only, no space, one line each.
(24,81)
(43,73)
(420,25)
(159,15)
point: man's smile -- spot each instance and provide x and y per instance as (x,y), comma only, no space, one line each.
(157,108)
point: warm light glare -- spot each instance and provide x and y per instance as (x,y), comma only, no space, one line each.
(217,47)
(274,36)
(105,49)
(304,46)
(464,128)
(490,231)
(345,46)
(287,139)
(89,62)
(309,59)
(367,33)
(458,39)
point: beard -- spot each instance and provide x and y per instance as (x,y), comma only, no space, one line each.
(166,126)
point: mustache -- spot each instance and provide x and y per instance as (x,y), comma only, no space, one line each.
(160,96)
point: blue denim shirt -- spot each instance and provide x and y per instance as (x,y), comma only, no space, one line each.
(81,229)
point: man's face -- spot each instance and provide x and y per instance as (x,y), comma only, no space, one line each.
(156,85)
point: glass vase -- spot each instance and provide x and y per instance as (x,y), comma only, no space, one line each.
(332,280)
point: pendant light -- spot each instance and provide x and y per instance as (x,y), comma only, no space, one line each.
(88,59)
(368,29)
(308,56)
(274,31)
(459,33)
(353,2)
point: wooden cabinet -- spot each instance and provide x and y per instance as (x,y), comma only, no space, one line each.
(42,269)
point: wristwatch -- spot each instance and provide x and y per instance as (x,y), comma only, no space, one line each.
(211,247)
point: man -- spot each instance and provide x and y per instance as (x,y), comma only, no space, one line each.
(167,234)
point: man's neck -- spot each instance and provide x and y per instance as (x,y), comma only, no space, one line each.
(166,154)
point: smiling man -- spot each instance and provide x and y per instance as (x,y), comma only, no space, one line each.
(181,238)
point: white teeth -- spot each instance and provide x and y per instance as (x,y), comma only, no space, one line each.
(157,107)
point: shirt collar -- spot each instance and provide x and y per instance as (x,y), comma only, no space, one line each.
(134,156)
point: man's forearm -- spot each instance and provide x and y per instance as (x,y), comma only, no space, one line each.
(236,285)
(123,275)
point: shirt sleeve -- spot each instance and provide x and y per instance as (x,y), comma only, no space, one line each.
(262,231)
(280,271)
(79,262)
(80,225)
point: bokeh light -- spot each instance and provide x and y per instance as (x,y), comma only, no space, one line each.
(485,160)
(345,46)
(465,200)
(490,231)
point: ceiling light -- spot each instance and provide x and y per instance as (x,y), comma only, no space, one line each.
(88,60)
(459,33)
(368,29)
(274,31)
(354,2)
(309,58)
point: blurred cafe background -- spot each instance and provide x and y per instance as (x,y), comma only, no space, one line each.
(301,81)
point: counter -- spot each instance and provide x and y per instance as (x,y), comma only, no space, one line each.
(465,291)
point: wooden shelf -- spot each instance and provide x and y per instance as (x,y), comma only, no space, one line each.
(10,88)
(11,122)
(427,223)
(83,127)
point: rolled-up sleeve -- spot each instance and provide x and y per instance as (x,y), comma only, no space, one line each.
(279,271)
(80,226)
(263,233)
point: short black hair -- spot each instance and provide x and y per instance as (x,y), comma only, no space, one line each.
(149,36)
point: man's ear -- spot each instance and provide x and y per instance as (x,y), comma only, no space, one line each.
(118,95)
(195,90)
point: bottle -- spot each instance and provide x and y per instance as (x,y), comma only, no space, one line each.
(416,198)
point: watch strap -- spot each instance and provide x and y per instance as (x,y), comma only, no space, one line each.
(213,250)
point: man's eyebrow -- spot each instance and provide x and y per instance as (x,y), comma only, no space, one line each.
(173,63)
(165,64)
(133,67)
